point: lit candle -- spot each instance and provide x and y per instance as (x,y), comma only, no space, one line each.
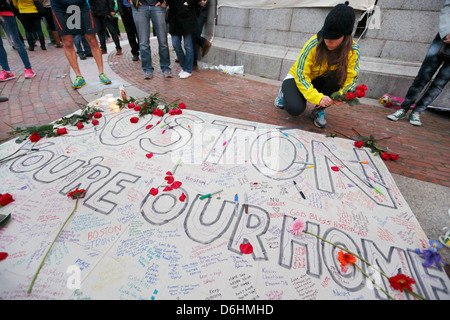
(112,103)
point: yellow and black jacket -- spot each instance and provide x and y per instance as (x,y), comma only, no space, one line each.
(304,70)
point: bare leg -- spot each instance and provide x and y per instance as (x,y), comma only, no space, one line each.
(71,54)
(96,51)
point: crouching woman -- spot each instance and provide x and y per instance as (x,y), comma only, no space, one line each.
(328,62)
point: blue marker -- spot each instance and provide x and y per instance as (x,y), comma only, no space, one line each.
(236,204)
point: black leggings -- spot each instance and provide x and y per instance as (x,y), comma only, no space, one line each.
(295,102)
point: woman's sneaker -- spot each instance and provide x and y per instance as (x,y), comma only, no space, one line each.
(78,82)
(29,74)
(104,79)
(5,76)
(279,100)
(397,115)
(414,119)
(318,115)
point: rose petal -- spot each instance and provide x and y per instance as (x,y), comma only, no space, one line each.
(334,168)
(182,197)
(246,248)
(149,126)
(168,173)
(153,191)
(176,185)
(149,155)
(168,188)
(3,255)
(169,179)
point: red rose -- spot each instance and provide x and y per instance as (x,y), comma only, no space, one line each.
(182,106)
(172,112)
(137,108)
(178,111)
(61,131)
(134,119)
(350,96)
(388,104)
(362,87)
(97,115)
(35,137)
(158,112)
(360,93)
(80,125)
(385,156)
(5,199)
(394,156)
(95,122)
(359,144)
(131,105)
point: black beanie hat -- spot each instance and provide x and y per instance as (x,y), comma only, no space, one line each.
(339,22)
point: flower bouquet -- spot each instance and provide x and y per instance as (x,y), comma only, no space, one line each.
(350,96)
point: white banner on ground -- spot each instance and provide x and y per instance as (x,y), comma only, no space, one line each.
(272,4)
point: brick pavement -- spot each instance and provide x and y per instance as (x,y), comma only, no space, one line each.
(424,151)
(40,100)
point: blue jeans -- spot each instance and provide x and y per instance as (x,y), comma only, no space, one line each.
(142,16)
(430,65)
(186,59)
(81,44)
(9,25)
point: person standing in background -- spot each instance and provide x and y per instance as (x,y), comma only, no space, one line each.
(9,25)
(126,14)
(198,40)
(67,29)
(145,11)
(182,25)
(437,58)
(50,22)
(31,20)
(103,12)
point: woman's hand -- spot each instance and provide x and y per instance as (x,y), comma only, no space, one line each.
(326,101)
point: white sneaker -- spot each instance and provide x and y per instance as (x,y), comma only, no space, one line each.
(184,75)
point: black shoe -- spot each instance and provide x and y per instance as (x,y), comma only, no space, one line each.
(82,56)
(135,57)
(3,99)
(89,55)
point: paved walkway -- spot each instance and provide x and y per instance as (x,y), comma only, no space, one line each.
(424,151)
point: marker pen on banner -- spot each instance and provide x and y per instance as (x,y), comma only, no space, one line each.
(209,195)
(246,202)
(300,191)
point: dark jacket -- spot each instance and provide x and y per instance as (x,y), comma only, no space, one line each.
(5,6)
(101,8)
(182,18)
